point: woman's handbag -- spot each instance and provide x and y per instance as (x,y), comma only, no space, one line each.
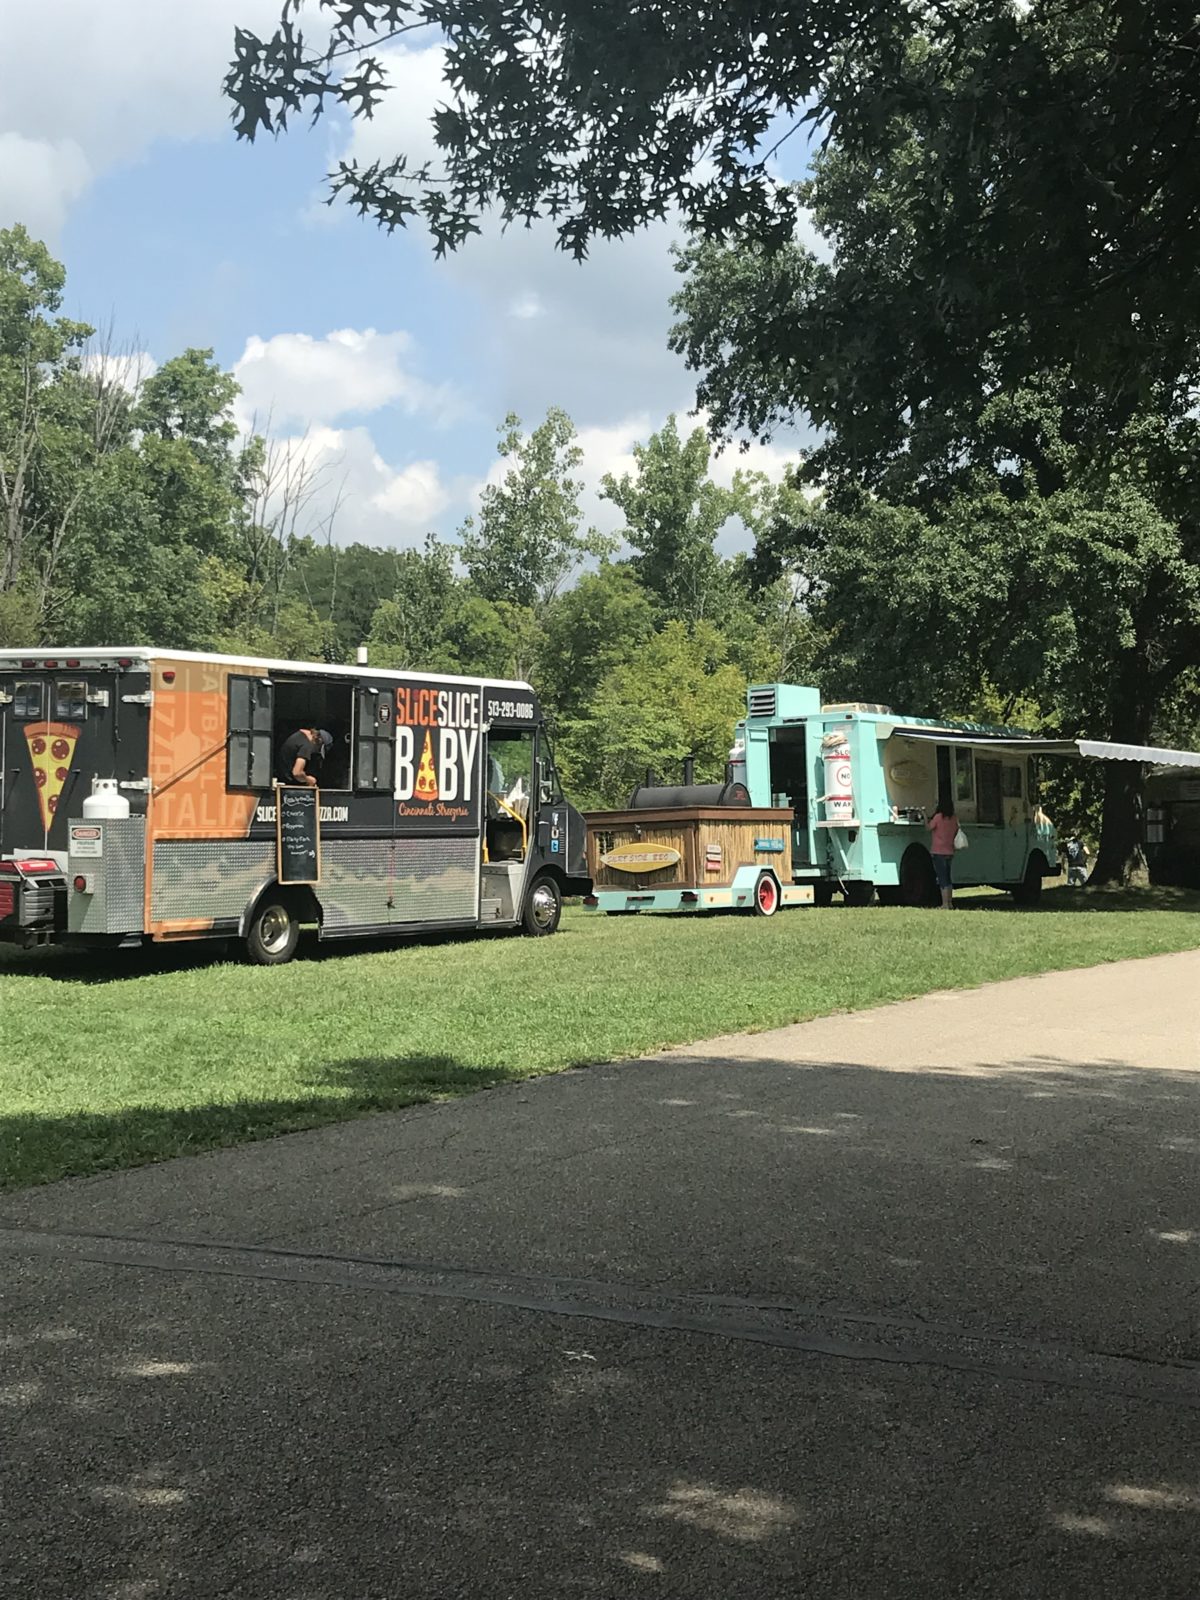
(961,842)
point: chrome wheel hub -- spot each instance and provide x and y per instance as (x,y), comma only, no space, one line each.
(543,906)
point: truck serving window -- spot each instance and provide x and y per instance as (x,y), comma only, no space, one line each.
(249,756)
(28,699)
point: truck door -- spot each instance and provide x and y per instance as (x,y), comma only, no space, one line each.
(987,850)
(1016,830)
(789,785)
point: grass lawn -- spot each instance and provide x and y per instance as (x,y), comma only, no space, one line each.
(110,1061)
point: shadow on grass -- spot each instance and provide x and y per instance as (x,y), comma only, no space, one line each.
(1062,900)
(67,965)
(37,1148)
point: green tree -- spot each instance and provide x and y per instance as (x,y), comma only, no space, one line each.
(344,584)
(586,631)
(57,423)
(408,628)
(677,695)
(528,536)
(165,506)
(1084,601)
(1053,205)
(673,514)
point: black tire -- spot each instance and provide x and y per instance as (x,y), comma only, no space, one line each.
(273,932)
(543,907)
(767,898)
(1029,891)
(918,883)
(858,894)
(822,894)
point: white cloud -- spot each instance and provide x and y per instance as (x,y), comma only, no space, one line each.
(401,124)
(371,500)
(39,178)
(97,84)
(294,378)
(129,368)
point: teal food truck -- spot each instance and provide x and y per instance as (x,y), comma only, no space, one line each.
(833,799)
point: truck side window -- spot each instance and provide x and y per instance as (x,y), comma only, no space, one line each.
(374,741)
(70,700)
(27,700)
(549,789)
(964,775)
(250,758)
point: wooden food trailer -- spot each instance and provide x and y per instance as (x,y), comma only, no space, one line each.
(694,847)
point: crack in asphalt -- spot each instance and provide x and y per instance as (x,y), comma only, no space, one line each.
(737,1319)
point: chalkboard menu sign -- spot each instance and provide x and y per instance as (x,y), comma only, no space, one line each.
(298,835)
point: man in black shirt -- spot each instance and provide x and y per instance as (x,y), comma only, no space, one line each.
(299,752)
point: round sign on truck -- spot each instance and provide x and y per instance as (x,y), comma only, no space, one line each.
(839,776)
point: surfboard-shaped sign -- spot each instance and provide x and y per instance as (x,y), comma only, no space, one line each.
(643,856)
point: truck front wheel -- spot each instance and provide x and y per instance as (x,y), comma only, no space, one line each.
(1029,891)
(273,933)
(543,907)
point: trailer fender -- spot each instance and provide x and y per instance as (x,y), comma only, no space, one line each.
(744,889)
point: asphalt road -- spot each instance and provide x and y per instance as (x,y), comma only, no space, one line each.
(897,1304)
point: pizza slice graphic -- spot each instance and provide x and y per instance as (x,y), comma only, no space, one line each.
(51,746)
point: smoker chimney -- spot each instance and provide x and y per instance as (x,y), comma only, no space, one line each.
(689,770)
(361,655)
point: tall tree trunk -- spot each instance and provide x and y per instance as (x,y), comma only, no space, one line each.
(1121,859)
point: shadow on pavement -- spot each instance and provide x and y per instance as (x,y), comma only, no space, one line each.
(35,1147)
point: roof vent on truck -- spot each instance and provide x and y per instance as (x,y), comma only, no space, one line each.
(869,706)
(761,702)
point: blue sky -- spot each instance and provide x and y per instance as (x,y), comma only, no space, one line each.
(394,369)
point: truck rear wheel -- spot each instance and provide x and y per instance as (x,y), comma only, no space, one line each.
(273,933)
(543,907)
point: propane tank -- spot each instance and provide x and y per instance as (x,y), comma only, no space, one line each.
(839,790)
(106,800)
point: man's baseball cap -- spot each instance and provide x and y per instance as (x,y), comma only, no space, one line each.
(324,737)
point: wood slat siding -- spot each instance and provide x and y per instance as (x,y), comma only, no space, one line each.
(690,830)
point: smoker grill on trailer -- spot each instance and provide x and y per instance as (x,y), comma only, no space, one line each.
(691,847)
(840,794)
(140,798)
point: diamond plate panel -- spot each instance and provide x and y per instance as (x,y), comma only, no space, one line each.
(208,879)
(117,903)
(368,882)
(425,880)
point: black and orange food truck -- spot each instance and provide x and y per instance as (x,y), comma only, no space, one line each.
(141,798)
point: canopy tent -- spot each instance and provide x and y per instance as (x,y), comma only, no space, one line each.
(1017,744)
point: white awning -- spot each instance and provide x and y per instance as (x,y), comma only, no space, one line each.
(1014,744)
